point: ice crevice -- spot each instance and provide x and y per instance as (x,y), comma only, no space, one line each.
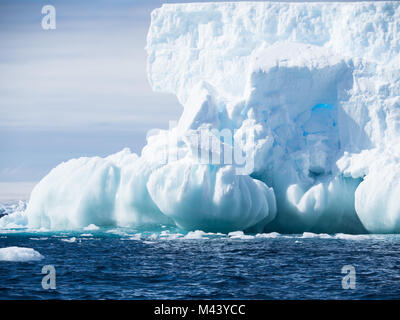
(315,85)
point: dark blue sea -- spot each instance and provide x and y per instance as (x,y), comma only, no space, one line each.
(167,263)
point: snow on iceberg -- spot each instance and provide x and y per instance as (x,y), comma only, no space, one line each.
(310,93)
(19,254)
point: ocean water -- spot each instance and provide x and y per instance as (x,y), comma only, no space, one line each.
(167,263)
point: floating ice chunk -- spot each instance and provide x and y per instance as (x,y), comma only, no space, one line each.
(268,235)
(86,235)
(166,235)
(316,235)
(91,227)
(343,236)
(19,254)
(240,235)
(117,232)
(70,240)
(235,234)
(198,234)
(137,237)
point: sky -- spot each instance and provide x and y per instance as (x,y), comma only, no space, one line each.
(78,90)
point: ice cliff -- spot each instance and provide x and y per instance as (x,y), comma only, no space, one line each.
(311,95)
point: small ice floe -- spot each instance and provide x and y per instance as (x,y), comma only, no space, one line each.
(344,236)
(239,235)
(70,240)
(117,232)
(136,237)
(166,235)
(91,227)
(315,235)
(19,254)
(268,235)
(198,234)
(149,242)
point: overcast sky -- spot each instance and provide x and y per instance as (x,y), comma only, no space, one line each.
(79,90)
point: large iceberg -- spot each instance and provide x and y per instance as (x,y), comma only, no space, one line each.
(290,123)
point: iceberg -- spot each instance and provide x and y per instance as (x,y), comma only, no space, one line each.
(290,123)
(19,254)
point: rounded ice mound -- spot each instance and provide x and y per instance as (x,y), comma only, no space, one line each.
(75,194)
(97,191)
(211,198)
(377,199)
(19,254)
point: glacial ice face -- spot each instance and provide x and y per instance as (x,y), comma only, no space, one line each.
(316,84)
(323,82)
